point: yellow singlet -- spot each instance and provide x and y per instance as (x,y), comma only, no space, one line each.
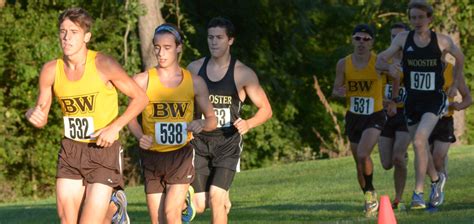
(167,114)
(364,87)
(448,81)
(87,104)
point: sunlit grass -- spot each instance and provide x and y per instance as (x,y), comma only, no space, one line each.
(324,191)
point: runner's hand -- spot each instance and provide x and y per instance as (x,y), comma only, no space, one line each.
(35,115)
(242,126)
(452,91)
(146,141)
(106,136)
(195,126)
(391,109)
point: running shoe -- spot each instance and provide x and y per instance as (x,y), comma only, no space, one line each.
(437,191)
(417,201)
(371,204)
(398,206)
(189,212)
(120,200)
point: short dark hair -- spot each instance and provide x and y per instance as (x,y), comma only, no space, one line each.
(79,16)
(172,29)
(400,25)
(421,5)
(223,23)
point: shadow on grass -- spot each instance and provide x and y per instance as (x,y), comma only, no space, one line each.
(28,214)
(296,212)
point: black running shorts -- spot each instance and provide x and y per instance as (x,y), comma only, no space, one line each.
(443,131)
(394,124)
(357,123)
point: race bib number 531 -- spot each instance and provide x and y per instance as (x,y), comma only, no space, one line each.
(78,128)
(171,133)
(362,105)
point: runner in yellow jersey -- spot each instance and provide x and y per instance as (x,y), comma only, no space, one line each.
(394,139)
(167,127)
(358,81)
(85,83)
(443,133)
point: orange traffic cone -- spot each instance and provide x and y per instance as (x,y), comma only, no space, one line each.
(386,215)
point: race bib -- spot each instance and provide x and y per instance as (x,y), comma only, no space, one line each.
(424,81)
(78,128)
(362,105)
(223,117)
(388,92)
(171,133)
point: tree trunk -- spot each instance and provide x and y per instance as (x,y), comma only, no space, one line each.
(146,25)
(447,10)
(2,3)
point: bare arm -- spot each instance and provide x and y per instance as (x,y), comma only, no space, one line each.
(38,115)
(338,89)
(452,49)
(201,96)
(396,46)
(248,80)
(141,79)
(113,72)
(194,66)
(144,141)
(465,93)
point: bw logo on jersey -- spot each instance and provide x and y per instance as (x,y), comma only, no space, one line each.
(78,104)
(162,110)
(359,85)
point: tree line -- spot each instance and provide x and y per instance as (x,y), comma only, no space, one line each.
(287,43)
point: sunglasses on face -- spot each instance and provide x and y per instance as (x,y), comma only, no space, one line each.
(359,38)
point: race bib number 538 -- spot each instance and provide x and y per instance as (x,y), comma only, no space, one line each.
(171,133)
(78,128)
(362,105)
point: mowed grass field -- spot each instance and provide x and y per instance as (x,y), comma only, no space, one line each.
(324,191)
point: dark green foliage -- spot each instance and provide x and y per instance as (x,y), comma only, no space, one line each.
(28,39)
(286,42)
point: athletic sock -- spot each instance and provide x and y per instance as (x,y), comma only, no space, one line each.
(368,183)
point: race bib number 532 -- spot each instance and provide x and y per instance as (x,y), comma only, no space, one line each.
(362,105)
(171,133)
(78,128)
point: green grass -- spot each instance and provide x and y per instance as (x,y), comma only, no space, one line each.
(307,192)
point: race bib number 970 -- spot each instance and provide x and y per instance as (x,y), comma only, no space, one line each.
(362,105)
(171,133)
(424,81)
(78,128)
(388,92)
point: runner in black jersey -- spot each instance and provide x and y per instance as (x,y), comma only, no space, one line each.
(394,139)
(425,101)
(218,152)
